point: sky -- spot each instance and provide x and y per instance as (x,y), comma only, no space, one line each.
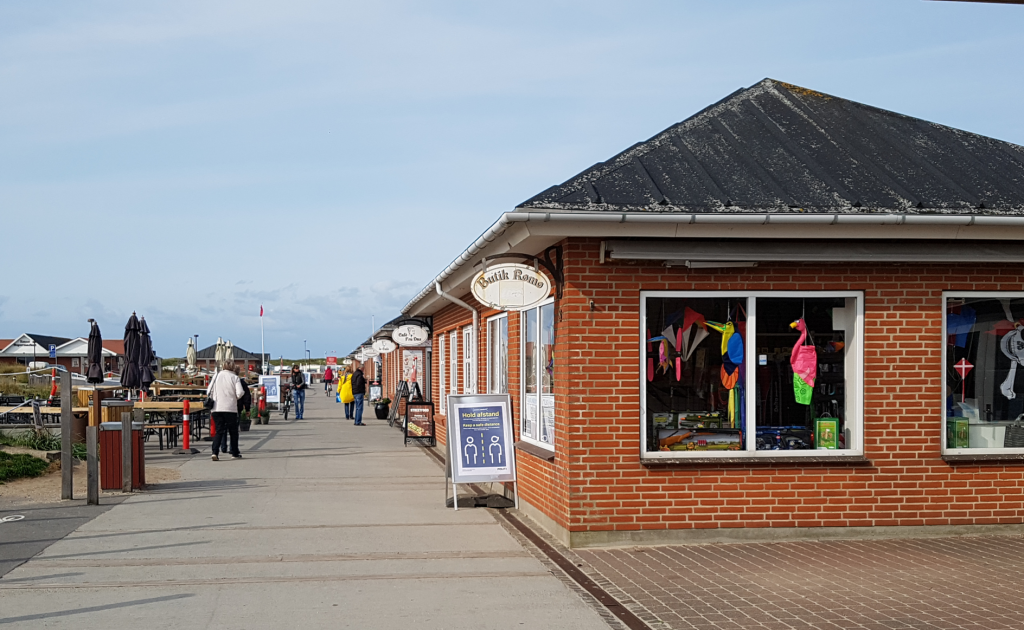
(192,160)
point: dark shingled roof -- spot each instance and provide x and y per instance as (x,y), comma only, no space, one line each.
(776,147)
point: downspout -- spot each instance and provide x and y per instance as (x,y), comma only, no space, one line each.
(476,331)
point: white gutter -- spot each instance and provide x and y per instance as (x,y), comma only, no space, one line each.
(789,218)
(476,333)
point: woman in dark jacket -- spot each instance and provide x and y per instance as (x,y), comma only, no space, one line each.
(359,392)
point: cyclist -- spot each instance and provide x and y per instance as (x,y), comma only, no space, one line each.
(328,380)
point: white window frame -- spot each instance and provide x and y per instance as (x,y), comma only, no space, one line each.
(453,366)
(442,366)
(995,295)
(854,381)
(492,355)
(468,347)
(539,378)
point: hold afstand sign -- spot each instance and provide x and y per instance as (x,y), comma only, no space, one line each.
(480,440)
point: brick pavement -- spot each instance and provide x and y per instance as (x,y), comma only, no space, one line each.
(919,584)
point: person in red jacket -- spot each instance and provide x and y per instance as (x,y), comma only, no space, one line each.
(328,380)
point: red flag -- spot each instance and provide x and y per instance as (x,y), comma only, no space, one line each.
(261,310)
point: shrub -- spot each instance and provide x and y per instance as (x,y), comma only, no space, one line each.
(20,465)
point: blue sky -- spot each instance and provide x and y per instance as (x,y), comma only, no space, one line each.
(192,160)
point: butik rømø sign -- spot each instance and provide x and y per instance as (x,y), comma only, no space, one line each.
(370,353)
(511,287)
(410,335)
(384,346)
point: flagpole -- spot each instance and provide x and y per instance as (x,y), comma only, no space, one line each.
(263,353)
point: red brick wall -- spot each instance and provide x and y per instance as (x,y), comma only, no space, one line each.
(543,484)
(906,482)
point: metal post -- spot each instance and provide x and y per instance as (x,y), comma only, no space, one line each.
(92,464)
(126,452)
(67,462)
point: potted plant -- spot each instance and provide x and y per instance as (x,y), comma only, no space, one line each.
(380,407)
(244,421)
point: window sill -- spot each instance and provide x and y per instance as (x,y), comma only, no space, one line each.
(747,460)
(983,457)
(536,451)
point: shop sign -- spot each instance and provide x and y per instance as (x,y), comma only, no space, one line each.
(370,352)
(419,422)
(482,438)
(510,287)
(359,356)
(384,346)
(332,360)
(410,335)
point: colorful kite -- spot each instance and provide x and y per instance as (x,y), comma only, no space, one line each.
(805,365)
(962,368)
(732,358)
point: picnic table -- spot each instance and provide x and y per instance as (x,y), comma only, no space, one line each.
(166,412)
(49,413)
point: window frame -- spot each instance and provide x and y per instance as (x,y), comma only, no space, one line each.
(453,367)
(968,452)
(492,355)
(469,347)
(442,367)
(854,387)
(539,380)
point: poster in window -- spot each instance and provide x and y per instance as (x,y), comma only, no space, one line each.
(412,367)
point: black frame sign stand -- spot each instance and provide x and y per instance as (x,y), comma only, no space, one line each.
(479,448)
(423,421)
(402,391)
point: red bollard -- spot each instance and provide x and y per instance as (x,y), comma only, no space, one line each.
(187,428)
(263,399)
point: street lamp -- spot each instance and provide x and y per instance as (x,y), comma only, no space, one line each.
(304,351)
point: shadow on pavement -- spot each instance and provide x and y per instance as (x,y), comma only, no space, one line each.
(79,611)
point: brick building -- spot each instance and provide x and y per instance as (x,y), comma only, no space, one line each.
(788,315)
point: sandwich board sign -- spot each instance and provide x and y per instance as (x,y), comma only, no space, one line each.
(480,440)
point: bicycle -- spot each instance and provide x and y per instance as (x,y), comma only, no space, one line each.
(287,403)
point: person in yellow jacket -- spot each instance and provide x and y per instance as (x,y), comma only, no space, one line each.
(345,393)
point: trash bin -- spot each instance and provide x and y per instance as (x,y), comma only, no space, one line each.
(112,409)
(111,477)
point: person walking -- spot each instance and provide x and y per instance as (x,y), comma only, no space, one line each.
(358,393)
(245,402)
(328,380)
(226,391)
(298,391)
(345,393)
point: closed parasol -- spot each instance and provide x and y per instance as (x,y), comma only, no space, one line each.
(229,351)
(95,373)
(145,355)
(130,376)
(219,353)
(190,358)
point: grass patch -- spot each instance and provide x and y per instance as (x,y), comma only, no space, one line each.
(40,441)
(19,466)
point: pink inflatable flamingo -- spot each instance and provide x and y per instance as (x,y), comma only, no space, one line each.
(805,365)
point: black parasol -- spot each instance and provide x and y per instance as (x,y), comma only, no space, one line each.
(95,374)
(132,340)
(145,355)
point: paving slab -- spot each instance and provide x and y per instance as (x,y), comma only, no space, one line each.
(320,525)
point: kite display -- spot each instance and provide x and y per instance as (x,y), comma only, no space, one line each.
(732,359)
(959,325)
(1012,345)
(805,365)
(962,368)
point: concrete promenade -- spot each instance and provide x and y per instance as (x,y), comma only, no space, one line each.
(320,525)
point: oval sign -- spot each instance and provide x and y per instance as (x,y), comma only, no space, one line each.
(384,346)
(359,356)
(511,287)
(370,353)
(410,335)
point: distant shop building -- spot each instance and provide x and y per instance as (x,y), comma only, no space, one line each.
(788,315)
(207,359)
(70,353)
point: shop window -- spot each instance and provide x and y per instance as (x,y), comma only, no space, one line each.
(983,393)
(441,374)
(746,374)
(468,378)
(538,400)
(497,355)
